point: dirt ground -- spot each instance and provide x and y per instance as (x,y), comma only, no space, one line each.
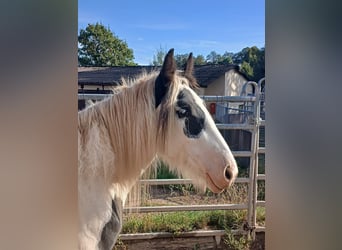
(259,243)
(190,243)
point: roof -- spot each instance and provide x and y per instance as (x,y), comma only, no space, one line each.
(109,76)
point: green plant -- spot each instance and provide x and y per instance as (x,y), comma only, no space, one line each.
(119,245)
(163,172)
(261,190)
(260,216)
(177,222)
(237,242)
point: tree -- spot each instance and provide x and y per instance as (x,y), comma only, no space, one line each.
(158,58)
(199,60)
(246,68)
(240,56)
(98,46)
(227,58)
(259,68)
(251,61)
(213,58)
(179,58)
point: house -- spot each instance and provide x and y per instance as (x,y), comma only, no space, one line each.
(213,79)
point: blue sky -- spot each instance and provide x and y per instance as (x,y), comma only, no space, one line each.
(187,26)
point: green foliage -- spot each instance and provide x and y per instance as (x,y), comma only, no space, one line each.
(243,171)
(158,58)
(261,190)
(179,58)
(227,58)
(250,59)
(98,46)
(237,242)
(177,222)
(163,172)
(260,215)
(119,245)
(247,69)
(213,58)
(199,60)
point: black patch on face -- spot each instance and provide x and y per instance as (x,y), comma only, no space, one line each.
(193,115)
(111,230)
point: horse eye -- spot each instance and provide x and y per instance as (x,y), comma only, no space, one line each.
(182,113)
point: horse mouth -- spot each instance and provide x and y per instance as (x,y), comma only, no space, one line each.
(212,186)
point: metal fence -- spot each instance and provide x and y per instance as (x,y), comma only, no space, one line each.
(253,108)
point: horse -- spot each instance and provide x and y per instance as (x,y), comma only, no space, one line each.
(155,116)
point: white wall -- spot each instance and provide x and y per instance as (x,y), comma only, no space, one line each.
(233,83)
(216,87)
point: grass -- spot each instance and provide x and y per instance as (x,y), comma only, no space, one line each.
(178,222)
(237,242)
(163,172)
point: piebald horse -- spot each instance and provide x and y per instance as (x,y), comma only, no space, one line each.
(157,115)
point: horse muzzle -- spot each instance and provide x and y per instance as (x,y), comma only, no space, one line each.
(218,182)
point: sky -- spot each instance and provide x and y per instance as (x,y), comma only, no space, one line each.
(187,26)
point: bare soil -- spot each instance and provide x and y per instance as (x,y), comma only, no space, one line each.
(179,243)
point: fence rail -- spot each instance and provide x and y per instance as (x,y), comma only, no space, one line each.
(98,97)
(178,208)
(189,181)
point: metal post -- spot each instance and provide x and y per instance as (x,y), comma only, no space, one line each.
(252,192)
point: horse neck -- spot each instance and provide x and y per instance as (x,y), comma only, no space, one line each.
(132,130)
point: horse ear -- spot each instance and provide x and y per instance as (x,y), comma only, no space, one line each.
(165,77)
(189,66)
(188,72)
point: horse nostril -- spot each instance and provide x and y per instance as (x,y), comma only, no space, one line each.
(227,173)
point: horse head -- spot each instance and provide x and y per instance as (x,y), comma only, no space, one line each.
(189,140)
